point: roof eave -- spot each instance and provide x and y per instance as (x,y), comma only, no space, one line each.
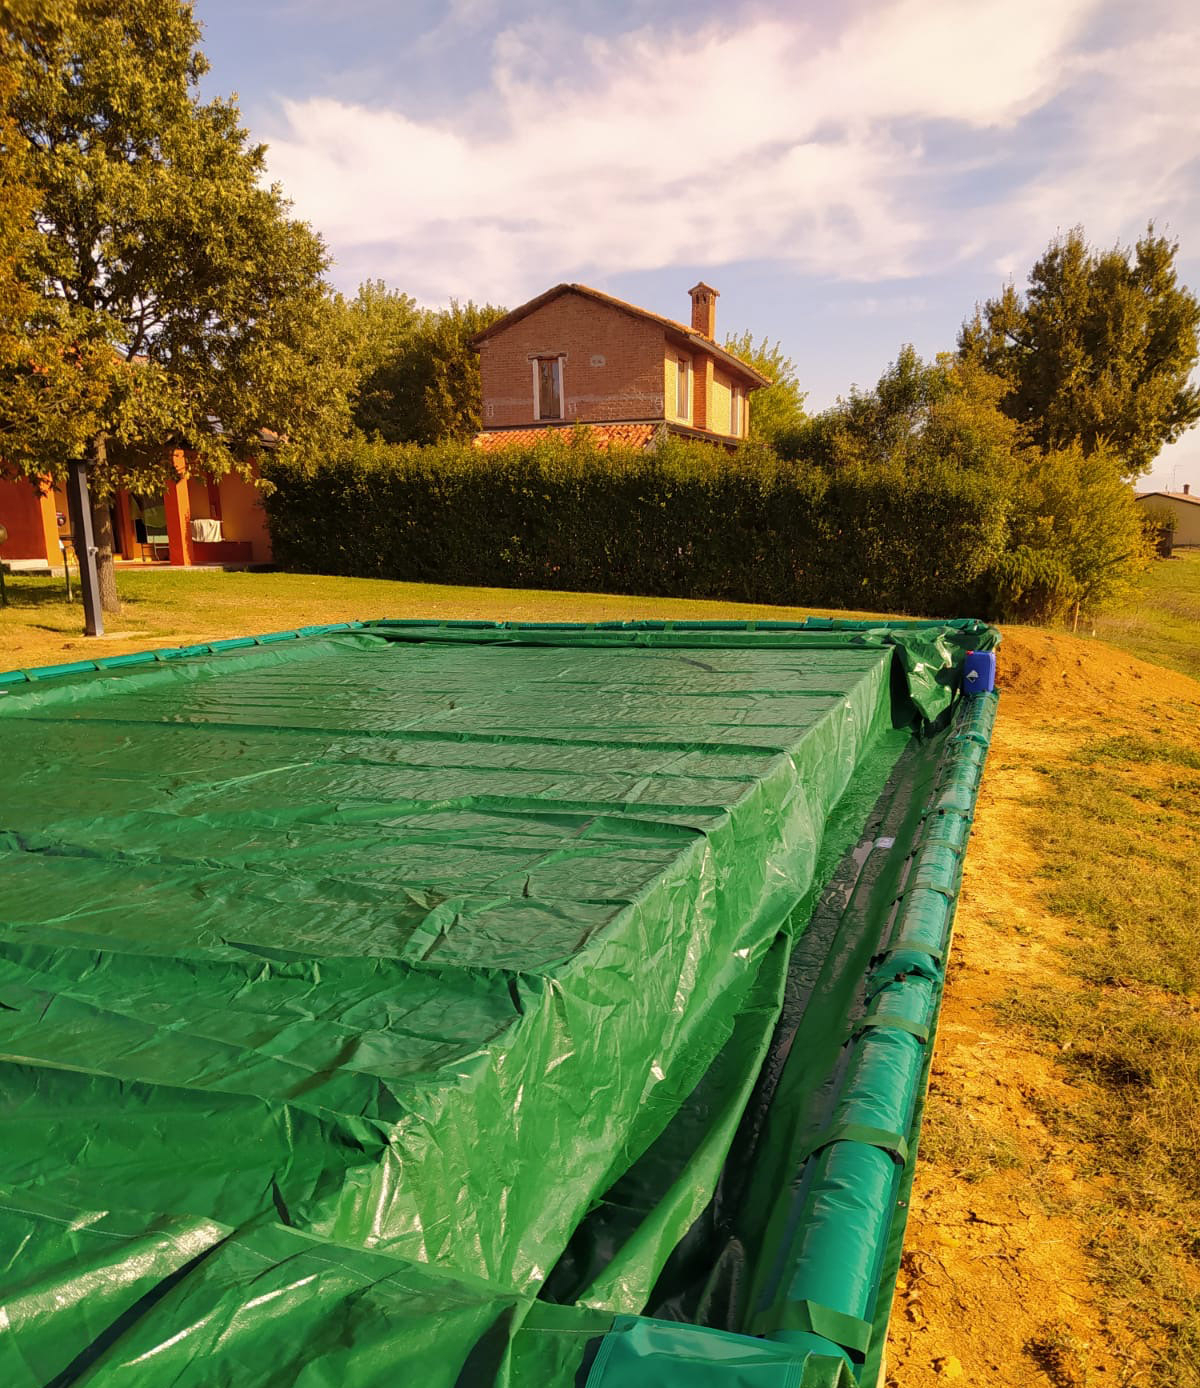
(521,311)
(706,344)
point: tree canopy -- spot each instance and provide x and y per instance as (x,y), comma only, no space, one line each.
(1098,351)
(418,376)
(918,412)
(1070,535)
(42,364)
(187,303)
(779,407)
(378,323)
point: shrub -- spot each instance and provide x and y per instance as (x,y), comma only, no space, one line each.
(1158,529)
(687,520)
(1075,538)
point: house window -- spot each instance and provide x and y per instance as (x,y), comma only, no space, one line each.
(683,388)
(547,388)
(737,406)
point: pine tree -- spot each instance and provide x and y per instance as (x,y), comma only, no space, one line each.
(1099,350)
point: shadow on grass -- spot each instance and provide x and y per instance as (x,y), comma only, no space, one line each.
(24,592)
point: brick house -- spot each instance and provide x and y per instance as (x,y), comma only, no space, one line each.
(576,356)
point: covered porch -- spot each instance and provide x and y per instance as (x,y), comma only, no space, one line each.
(197,520)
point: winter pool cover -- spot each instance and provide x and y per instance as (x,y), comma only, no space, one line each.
(460,1004)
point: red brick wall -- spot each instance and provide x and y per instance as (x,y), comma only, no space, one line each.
(702,390)
(613,367)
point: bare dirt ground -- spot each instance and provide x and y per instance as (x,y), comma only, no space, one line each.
(997,1284)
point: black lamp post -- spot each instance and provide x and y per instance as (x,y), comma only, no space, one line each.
(79,503)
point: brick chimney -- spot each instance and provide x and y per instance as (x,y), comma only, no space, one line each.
(704,309)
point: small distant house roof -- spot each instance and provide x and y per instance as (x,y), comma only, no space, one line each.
(1170,496)
(678,330)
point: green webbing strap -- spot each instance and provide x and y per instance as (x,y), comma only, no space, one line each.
(812,1318)
(882,1019)
(894,1144)
(937,955)
(899,951)
(931,886)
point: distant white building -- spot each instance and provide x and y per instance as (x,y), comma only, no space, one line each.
(1183,506)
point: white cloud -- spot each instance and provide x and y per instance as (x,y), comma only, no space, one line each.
(887,306)
(1130,151)
(770,140)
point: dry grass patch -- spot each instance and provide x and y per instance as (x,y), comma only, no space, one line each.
(1160,621)
(1120,830)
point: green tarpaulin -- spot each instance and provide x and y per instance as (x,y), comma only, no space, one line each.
(385,1004)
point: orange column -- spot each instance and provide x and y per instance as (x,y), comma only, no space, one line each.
(179,516)
(125,540)
(49,518)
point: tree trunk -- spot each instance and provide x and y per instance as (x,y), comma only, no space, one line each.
(102,531)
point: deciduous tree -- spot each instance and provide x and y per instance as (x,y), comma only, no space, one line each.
(426,388)
(379,323)
(1075,537)
(778,408)
(37,361)
(1068,530)
(182,301)
(919,411)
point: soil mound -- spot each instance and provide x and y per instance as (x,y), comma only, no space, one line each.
(1075,677)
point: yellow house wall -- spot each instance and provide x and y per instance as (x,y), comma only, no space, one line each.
(198,504)
(1187,522)
(711,413)
(670,377)
(1186,513)
(718,410)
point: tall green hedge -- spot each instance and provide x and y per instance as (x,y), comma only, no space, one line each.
(687,520)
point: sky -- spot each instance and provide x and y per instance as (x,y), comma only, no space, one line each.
(851,176)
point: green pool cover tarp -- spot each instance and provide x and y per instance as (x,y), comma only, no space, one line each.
(471,1004)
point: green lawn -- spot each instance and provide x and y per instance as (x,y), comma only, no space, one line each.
(1161,622)
(181,606)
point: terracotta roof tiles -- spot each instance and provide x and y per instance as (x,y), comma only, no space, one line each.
(602,435)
